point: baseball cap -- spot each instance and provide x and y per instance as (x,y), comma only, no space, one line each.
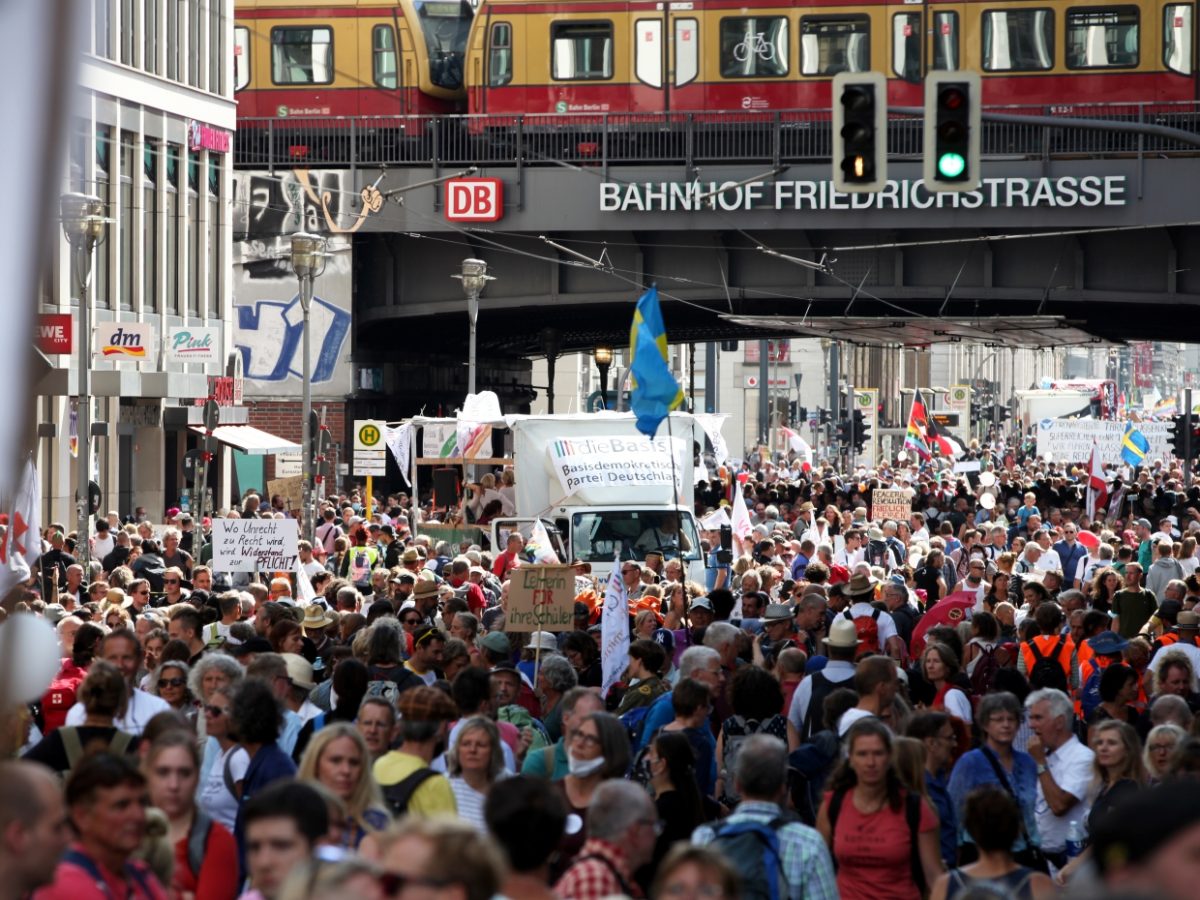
(496,641)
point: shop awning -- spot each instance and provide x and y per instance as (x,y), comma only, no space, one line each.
(253,441)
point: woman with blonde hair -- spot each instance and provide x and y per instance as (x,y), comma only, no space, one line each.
(474,763)
(1160,745)
(338,757)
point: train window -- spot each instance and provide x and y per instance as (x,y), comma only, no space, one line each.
(500,59)
(241,58)
(1177,37)
(1018,40)
(754,47)
(687,51)
(945,41)
(831,45)
(301,55)
(383,56)
(583,51)
(445,24)
(906,46)
(1102,38)
(647,51)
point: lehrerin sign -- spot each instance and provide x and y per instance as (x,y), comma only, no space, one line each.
(1020,193)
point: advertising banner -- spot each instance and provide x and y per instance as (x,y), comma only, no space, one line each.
(255,545)
(596,463)
(1070,440)
(193,345)
(123,341)
(541,598)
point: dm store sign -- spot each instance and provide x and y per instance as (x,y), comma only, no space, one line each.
(193,345)
(123,341)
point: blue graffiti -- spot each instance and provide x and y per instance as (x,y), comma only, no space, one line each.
(269,336)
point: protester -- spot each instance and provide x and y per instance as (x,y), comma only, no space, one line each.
(338,758)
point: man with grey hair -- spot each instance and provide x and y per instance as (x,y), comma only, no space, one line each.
(761,775)
(1064,770)
(555,677)
(700,663)
(622,826)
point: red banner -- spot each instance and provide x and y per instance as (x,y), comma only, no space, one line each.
(54,332)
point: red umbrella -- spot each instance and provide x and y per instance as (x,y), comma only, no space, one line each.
(950,610)
(1089,540)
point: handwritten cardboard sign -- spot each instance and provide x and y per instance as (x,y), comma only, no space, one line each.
(895,505)
(541,598)
(255,545)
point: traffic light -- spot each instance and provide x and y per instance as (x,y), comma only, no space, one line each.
(952,131)
(824,416)
(1003,414)
(843,432)
(859,132)
(803,417)
(862,431)
(1179,427)
(793,411)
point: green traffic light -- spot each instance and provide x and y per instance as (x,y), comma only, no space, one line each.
(951,165)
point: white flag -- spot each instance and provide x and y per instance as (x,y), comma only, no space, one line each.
(614,631)
(23,540)
(539,547)
(304,588)
(742,528)
(800,447)
(399,441)
(714,520)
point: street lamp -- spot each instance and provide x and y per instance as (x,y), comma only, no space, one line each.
(83,225)
(474,278)
(551,343)
(308,262)
(603,356)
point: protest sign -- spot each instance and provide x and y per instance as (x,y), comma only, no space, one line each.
(1070,440)
(541,598)
(254,545)
(893,504)
(291,489)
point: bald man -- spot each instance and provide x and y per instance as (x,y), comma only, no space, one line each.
(34,830)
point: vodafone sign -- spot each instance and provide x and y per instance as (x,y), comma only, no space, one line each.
(474,200)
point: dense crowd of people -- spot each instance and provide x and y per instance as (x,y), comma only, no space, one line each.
(994,695)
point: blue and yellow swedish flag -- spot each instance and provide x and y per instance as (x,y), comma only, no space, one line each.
(655,390)
(1134,445)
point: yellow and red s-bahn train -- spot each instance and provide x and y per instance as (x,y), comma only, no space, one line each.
(297,59)
(654,56)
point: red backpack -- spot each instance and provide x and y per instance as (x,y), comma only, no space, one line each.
(60,696)
(867,628)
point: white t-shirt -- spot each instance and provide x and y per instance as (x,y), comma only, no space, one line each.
(142,708)
(850,716)
(1050,561)
(213,796)
(958,705)
(102,546)
(1071,767)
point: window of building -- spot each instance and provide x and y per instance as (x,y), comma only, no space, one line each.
(216,49)
(150,35)
(754,47)
(193,234)
(1103,38)
(500,57)
(152,227)
(128,31)
(301,55)
(687,51)
(829,45)
(582,51)
(215,256)
(1177,37)
(195,44)
(172,302)
(241,58)
(173,38)
(101,270)
(647,51)
(945,41)
(1018,40)
(383,56)
(129,228)
(906,46)
(102,27)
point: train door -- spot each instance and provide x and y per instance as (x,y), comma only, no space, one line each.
(945,24)
(666,56)
(379,61)
(1178,50)
(907,61)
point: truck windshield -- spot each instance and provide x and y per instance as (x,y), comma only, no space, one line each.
(597,536)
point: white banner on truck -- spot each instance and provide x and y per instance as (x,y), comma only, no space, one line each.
(1070,440)
(599,463)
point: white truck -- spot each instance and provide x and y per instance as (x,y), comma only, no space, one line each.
(1035,405)
(606,489)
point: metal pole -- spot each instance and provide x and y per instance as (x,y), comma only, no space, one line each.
(306,292)
(764,374)
(473,315)
(710,377)
(835,394)
(850,426)
(1188,449)
(83,419)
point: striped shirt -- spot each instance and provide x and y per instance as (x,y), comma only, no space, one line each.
(469,802)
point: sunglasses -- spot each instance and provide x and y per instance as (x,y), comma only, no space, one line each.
(392,884)
(215,711)
(170,581)
(412,621)
(172,682)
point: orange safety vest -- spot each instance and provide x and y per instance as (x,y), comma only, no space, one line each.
(1045,644)
(1085,653)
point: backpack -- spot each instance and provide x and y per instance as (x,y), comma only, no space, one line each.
(135,873)
(814,718)
(61,696)
(736,730)
(400,794)
(118,744)
(867,628)
(1046,671)
(983,676)
(197,841)
(635,723)
(752,848)
(912,816)
(360,565)
(1089,691)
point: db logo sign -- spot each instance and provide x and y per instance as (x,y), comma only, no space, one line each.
(475,200)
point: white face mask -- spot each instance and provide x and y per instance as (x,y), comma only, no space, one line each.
(582,768)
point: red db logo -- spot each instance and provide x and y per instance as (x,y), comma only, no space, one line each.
(475,200)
